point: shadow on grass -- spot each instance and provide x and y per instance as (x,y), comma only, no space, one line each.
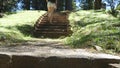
(26,30)
(9,13)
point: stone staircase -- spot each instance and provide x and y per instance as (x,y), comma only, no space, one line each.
(59,26)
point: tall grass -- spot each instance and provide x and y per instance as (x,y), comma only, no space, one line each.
(91,28)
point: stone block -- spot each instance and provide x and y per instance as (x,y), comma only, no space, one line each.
(5,61)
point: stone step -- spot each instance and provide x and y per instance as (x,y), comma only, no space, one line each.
(54,19)
(59,26)
(114,65)
(50,34)
(52,23)
(51,30)
(56,58)
(53,26)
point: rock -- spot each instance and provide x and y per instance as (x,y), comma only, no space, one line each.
(98,48)
(1,15)
(56,58)
(5,61)
(22,61)
(114,65)
(44,55)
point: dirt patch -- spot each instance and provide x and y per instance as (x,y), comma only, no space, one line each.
(42,45)
(33,45)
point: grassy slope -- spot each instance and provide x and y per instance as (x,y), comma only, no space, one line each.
(18,26)
(92,28)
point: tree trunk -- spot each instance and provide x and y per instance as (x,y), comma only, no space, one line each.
(90,4)
(1,6)
(39,4)
(60,5)
(97,4)
(43,5)
(68,5)
(26,4)
(34,4)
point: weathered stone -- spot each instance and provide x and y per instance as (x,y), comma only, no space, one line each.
(55,62)
(24,61)
(5,61)
(53,57)
(30,61)
(98,48)
(1,15)
(114,65)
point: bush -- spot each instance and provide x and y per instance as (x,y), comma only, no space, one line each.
(118,7)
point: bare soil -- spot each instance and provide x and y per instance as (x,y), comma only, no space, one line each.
(41,45)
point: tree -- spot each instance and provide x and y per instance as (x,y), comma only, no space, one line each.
(90,4)
(26,4)
(7,5)
(97,4)
(60,5)
(68,5)
(112,8)
(39,4)
(86,4)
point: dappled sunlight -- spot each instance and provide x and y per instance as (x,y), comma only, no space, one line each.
(82,12)
(106,16)
(90,29)
(4,30)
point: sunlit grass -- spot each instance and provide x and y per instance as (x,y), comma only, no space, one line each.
(19,25)
(92,28)
(23,17)
(89,28)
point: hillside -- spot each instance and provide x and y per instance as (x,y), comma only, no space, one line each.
(94,28)
(90,28)
(18,26)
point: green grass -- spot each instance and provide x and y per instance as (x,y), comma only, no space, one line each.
(91,28)
(18,26)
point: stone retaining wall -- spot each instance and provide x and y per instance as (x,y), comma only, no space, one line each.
(31,61)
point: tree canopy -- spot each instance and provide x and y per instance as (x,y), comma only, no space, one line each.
(12,5)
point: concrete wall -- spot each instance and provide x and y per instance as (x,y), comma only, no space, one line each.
(24,61)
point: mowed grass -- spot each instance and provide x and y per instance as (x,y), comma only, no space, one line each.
(18,26)
(94,28)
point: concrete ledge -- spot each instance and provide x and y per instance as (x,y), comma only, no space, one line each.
(56,58)
(5,61)
(114,65)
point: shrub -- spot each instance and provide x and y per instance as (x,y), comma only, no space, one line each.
(118,7)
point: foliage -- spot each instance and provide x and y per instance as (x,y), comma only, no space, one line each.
(12,5)
(112,12)
(92,28)
(118,7)
(86,4)
(114,6)
(18,26)
(97,4)
(7,5)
